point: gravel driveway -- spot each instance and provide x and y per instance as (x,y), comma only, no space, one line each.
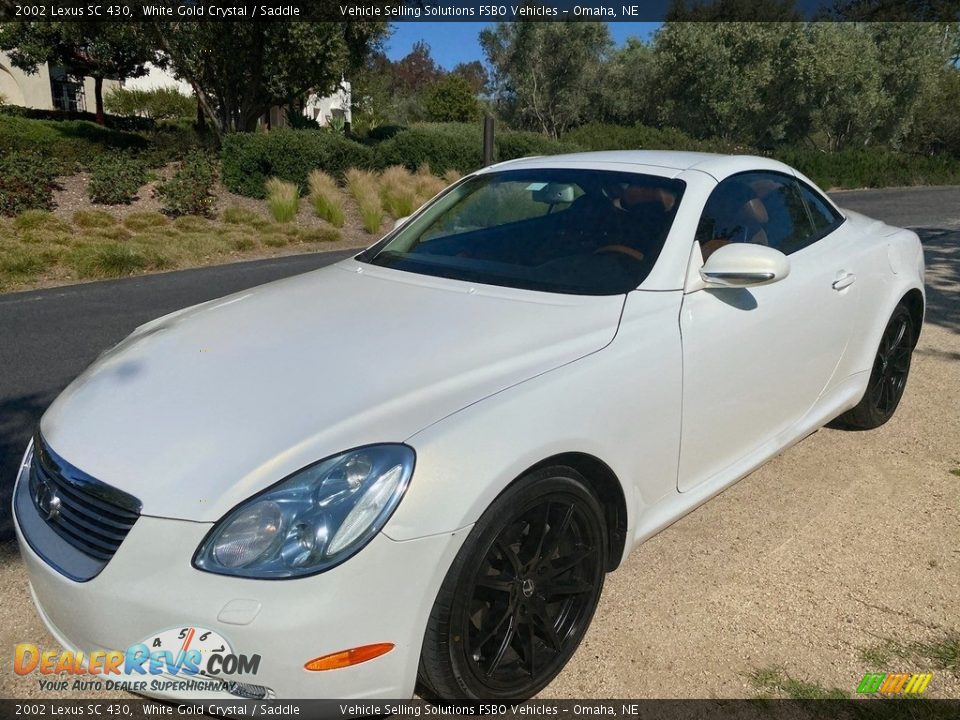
(839,557)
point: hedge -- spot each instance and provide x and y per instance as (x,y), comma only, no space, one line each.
(873,167)
(114,122)
(444,146)
(600,136)
(68,143)
(249,159)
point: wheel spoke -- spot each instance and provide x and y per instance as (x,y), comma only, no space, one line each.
(499,583)
(569,587)
(508,554)
(504,645)
(547,628)
(533,544)
(508,615)
(563,564)
(556,534)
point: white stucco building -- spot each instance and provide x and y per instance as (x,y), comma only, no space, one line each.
(50,88)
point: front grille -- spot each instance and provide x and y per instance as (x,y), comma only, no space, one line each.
(91,516)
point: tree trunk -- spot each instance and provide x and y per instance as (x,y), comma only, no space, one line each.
(98,95)
(201,118)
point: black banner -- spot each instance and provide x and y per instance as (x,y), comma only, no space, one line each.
(866,709)
(479,10)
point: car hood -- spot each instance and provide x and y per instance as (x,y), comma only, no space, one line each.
(198,410)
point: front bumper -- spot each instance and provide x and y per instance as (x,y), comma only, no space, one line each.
(383,594)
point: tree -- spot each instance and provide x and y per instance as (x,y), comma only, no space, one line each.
(239,70)
(733,80)
(417,69)
(544,73)
(98,49)
(626,94)
(475,74)
(451,99)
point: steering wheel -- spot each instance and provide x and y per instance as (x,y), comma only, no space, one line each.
(630,252)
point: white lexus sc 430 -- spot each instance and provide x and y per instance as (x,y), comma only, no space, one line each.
(413,469)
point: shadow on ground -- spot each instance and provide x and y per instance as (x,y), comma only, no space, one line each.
(941,250)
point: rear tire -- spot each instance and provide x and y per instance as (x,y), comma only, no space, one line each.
(520,594)
(891,367)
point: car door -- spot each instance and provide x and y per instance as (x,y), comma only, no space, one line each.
(756,359)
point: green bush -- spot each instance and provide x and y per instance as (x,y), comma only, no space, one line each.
(250,158)
(27,182)
(115,179)
(113,122)
(68,143)
(283,199)
(158,104)
(190,190)
(512,145)
(600,136)
(874,167)
(442,146)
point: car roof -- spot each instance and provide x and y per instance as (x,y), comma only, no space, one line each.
(714,164)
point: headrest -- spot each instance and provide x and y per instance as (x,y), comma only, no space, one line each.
(755,210)
(636,194)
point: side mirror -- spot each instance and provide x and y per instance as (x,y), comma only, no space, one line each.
(741,265)
(400,221)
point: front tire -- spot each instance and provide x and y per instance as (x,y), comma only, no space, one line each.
(891,367)
(520,594)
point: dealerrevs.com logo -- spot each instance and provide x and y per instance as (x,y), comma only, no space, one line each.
(199,656)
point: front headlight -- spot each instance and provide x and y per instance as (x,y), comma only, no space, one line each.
(315,519)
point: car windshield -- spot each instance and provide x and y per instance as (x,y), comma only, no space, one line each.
(563,230)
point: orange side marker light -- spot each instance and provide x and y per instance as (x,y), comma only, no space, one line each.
(346,658)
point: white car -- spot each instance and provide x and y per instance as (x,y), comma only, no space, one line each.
(413,469)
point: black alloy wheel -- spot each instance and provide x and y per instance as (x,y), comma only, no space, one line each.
(888,378)
(521,593)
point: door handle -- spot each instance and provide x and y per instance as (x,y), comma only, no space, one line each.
(844,282)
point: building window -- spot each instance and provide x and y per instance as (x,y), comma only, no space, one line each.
(68,93)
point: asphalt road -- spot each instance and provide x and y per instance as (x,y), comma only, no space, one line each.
(843,544)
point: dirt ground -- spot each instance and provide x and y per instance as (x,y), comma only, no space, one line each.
(817,567)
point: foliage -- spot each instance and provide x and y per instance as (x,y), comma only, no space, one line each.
(442,147)
(99,49)
(363,186)
(601,136)
(190,190)
(115,179)
(249,159)
(517,144)
(475,74)
(398,191)
(114,122)
(544,73)
(27,181)
(628,92)
(870,167)
(283,199)
(67,144)
(935,131)
(451,100)
(164,103)
(326,198)
(247,67)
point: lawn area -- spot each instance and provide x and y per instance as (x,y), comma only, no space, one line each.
(40,248)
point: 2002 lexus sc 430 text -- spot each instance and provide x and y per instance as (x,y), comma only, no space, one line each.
(422,461)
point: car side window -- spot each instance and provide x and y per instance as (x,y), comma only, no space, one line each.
(764,208)
(823,215)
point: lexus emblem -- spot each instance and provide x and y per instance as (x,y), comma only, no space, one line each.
(47,501)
